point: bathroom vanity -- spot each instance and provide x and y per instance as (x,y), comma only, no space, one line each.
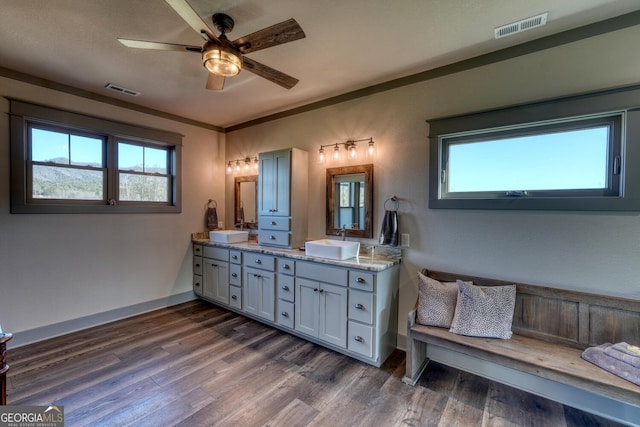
(348,305)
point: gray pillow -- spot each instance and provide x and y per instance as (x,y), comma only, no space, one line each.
(436,301)
(484,311)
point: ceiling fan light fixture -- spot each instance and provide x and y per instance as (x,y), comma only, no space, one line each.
(221,61)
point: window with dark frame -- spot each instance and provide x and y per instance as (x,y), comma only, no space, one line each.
(66,162)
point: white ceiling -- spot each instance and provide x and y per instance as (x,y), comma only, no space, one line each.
(349,45)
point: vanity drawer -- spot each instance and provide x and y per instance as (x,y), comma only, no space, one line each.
(197,285)
(264,262)
(274,238)
(216,253)
(197,249)
(285,313)
(360,339)
(322,273)
(235,297)
(361,280)
(197,265)
(235,274)
(275,223)
(361,306)
(235,257)
(286,266)
(286,288)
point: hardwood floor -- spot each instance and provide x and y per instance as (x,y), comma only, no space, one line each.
(196,364)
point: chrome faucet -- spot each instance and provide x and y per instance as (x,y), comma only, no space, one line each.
(342,232)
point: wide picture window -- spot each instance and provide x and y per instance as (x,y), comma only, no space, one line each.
(71,163)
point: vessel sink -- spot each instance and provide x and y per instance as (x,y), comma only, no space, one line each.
(332,249)
(228,236)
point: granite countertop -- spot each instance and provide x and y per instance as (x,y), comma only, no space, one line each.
(378,262)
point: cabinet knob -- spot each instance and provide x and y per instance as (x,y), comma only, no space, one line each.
(214,265)
(196,284)
(272,238)
(234,274)
(234,257)
(287,267)
(257,276)
(315,290)
(285,314)
(234,297)
(197,265)
(361,280)
(321,290)
(258,261)
(274,223)
(285,287)
(359,306)
(358,338)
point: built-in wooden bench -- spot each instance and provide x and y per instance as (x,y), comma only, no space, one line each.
(551,328)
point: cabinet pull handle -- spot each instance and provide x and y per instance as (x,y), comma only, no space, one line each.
(285,314)
(197,265)
(234,297)
(214,265)
(359,306)
(234,274)
(361,280)
(358,338)
(258,261)
(257,276)
(285,287)
(197,284)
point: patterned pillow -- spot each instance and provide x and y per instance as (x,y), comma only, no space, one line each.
(436,301)
(484,311)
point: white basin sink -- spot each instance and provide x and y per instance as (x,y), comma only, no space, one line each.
(332,249)
(228,236)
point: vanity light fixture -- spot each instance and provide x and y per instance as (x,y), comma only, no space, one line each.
(248,162)
(351,148)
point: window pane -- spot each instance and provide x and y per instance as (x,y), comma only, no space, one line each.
(86,151)
(49,146)
(130,157)
(54,182)
(567,160)
(143,188)
(155,160)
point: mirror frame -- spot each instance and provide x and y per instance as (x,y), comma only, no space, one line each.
(237,197)
(367,231)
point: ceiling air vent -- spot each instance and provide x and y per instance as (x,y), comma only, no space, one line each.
(520,26)
(121,89)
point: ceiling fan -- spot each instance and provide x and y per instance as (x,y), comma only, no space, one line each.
(224,58)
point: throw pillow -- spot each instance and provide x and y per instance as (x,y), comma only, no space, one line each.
(484,311)
(436,301)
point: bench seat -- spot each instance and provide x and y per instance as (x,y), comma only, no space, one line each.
(551,328)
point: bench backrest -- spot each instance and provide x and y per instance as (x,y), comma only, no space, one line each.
(573,318)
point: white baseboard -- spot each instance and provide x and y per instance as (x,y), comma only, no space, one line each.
(49,331)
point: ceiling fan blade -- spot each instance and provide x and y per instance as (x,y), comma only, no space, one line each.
(274,35)
(190,16)
(141,44)
(215,82)
(268,73)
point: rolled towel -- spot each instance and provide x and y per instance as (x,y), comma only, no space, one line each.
(598,357)
(626,352)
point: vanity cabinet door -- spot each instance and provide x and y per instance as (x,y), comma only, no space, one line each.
(259,296)
(216,280)
(306,307)
(333,314)
(274,183)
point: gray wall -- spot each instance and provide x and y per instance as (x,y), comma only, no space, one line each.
(62,268)
(593,252)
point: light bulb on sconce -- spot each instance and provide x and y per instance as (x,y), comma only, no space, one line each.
(255,163)
(247,164)
(350,146)
(237,165)
(229,168)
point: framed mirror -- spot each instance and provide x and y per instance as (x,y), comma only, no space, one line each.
(246,198)
(350,200)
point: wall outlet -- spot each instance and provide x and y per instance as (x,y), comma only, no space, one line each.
(405,240)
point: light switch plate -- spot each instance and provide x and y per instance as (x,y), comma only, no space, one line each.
(405,240)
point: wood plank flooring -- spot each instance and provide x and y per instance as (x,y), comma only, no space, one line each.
(196,364)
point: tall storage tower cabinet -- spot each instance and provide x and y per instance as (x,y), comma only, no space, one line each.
(282,198)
